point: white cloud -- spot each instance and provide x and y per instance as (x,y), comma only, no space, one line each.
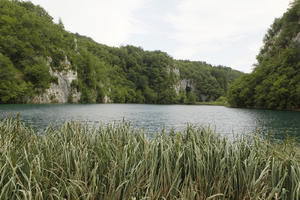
(215,26)
(245,63)
(107,21)
(226,32)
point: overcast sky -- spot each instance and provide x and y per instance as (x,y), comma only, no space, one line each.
(220,32)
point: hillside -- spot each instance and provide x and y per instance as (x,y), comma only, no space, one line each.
(41,62)
(275,81)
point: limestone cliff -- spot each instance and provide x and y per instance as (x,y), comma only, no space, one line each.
(188,85)
(62,91)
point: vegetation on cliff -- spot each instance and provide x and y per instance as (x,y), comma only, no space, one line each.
(31,44)
(275,81)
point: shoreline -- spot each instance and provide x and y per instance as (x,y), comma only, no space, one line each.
(213,103)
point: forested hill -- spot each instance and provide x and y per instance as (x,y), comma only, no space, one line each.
(275,81)
(41,62)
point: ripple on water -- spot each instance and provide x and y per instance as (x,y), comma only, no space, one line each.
(153,118)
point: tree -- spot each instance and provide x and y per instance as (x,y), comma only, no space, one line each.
(38,75)
(11,89)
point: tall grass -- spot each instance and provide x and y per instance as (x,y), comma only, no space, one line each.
(117,161)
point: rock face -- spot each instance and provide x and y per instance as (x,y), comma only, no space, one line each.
(297,39)
(188,85)
(184,85)
(62,92)
(106,99)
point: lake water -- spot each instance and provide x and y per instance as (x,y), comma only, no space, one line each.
(153,118)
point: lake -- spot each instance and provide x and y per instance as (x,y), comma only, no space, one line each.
(153,118)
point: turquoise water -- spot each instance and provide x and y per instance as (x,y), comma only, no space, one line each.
(153,118)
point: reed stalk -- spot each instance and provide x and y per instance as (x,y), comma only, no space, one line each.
(117,161)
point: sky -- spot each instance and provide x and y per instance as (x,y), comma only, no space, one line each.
(219,32)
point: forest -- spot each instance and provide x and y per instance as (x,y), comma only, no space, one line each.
(275,80)
(31,44)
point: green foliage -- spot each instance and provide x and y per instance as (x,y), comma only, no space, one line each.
(27,38)
(191,98)
(275,80)
(12,89)
(222,100)
(240,93)
(38,75)
(210,82)
(181,99)
(34,44)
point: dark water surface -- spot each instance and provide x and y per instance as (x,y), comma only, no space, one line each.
(155,117)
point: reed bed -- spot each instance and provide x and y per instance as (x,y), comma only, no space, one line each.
(117,161)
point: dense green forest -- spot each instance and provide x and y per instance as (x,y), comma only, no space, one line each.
(31,44)
(275,81)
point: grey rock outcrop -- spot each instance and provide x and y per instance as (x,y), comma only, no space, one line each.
(297,39)
(62,91)
(184,84)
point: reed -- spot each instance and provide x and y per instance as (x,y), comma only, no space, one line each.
(117,161)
